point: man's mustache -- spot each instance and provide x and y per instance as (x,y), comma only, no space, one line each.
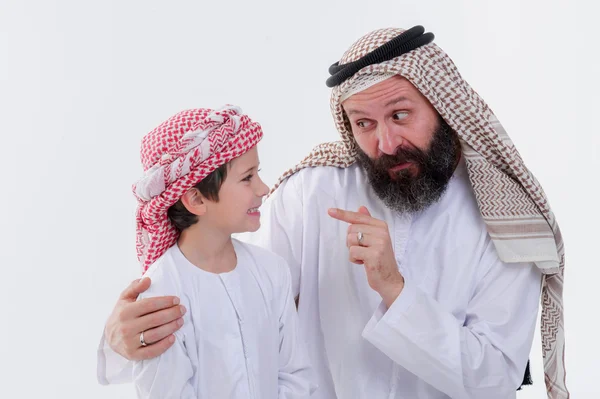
(401,156)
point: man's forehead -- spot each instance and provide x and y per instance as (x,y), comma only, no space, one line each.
(392,91)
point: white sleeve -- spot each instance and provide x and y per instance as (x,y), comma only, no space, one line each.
(484,357)
(296,378)
(111,368)
(168,375)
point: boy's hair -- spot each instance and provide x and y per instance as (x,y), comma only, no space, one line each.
(208,187)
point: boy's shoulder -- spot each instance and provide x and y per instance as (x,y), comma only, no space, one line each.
(260,253)
(164,276)
(265,260)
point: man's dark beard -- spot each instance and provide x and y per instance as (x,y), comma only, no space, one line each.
(409,192)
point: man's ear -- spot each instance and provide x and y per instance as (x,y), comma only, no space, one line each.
(194,202)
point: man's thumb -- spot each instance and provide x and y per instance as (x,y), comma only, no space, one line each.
(135,288)
(364,211)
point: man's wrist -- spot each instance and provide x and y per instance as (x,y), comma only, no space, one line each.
(392,291)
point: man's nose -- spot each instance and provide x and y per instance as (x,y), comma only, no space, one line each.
(388,140)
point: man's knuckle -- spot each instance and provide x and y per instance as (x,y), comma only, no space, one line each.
(121,317)
(125,331)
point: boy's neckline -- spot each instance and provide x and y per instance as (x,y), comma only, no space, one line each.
(181,258)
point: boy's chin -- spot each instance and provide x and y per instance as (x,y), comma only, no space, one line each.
(254,228)
(249,228)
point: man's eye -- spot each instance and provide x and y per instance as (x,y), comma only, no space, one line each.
(400,115)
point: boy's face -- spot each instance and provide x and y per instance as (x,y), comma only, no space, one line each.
(240,197)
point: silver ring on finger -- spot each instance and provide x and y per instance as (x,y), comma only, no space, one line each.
(360,237)
(142,339)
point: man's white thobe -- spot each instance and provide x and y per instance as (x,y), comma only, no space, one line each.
(462,326)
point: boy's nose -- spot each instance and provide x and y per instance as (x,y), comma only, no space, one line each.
(263,190)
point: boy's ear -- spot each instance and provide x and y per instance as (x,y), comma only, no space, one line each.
(194,202)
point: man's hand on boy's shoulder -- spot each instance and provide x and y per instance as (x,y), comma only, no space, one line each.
(157,317)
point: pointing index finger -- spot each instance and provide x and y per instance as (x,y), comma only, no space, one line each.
(350,217)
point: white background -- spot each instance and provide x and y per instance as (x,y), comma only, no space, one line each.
(81,82)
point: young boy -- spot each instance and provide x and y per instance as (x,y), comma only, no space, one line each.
(240,337)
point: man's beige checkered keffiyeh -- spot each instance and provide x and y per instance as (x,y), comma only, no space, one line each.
(512,203)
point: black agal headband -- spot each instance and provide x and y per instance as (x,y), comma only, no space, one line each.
(407,41)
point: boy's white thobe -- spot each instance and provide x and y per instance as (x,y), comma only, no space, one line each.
(240,336)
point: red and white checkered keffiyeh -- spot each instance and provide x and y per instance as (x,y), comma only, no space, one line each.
(176,156)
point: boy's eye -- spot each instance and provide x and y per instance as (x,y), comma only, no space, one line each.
(247,178)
